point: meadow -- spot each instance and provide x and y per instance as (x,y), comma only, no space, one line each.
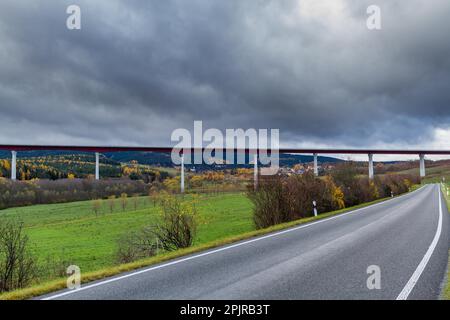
(73,233)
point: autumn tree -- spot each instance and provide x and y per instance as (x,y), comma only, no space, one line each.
(123,201)
(96,206)
(111,203)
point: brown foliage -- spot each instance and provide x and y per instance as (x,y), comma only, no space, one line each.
(282,199)
(23,193)
(136,246)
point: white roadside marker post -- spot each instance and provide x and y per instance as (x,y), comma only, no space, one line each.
(315,208)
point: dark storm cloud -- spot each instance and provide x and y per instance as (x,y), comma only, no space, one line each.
(139,69)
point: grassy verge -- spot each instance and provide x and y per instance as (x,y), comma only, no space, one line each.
(446,291)
(58,284)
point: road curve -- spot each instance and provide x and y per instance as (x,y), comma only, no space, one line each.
(406,237)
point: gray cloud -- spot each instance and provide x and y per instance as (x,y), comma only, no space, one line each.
(139,69)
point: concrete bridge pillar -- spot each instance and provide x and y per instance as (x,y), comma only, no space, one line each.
(316,168)
(370,166)
(97,166)
(255,171)
(182,174)
(13,165)
(422,165)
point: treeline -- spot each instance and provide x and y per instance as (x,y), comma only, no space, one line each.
(77,166)
(59,167)
(280,199)
(24,193)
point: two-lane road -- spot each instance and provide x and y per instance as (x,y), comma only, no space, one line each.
(406,237)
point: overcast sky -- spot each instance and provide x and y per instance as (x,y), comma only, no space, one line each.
(137,70)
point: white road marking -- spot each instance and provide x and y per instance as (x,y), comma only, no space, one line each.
(422,265)
(65,293)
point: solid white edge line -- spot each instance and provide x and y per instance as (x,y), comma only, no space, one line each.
(65,293)
(422,265)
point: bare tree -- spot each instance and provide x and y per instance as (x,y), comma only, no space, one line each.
(111,203)
(123,201)
(96,206)
(17,266)
(135,201)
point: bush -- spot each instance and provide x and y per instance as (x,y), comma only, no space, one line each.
(136,246)
(178,224)
(176,229)
(268,202)
(17,266)
(359,189)
(97,206)
(281,199)
(396,184)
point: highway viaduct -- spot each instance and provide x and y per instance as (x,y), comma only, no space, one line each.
(315,152)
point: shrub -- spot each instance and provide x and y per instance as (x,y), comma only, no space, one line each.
(178,224)
(17,266)
(111,203)
(267,201)
(397,184)
(123,201)
(137,245)
(281,199)
(96,206)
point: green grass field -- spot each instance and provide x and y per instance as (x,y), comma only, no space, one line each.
(71,232)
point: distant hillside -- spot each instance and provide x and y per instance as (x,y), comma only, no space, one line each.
(435,171)
(164,159)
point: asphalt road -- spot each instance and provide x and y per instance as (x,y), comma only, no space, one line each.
(405,237)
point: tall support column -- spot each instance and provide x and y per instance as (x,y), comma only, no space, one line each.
(255,171)
(97,166)
(370,166)
(182,174)
(316,168)
(13,165)
(422,165)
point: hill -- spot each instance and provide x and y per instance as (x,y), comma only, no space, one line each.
(157,159)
